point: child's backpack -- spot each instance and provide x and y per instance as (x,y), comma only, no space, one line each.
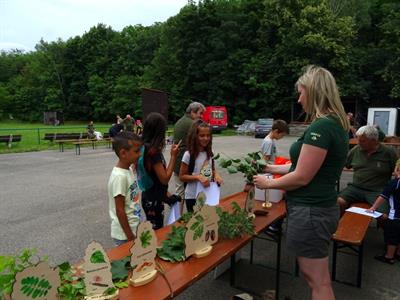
(144,180)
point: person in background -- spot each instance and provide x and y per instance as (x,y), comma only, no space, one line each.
(268,148)
(373,164)
(352,131)
(139,127)
(119,119)
(317,159)
(391,229)
(90,130)
(114,130)
(153,198)
(128,123)
(125,208)
(194,111)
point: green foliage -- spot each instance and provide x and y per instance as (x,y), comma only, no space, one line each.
(145,238)
(120,269)
(72,286)
(197,227)
(97,257)
(10,266)
(35,287)
(173,248)
(245,55)
(234,224)
(186,217)
(249,165)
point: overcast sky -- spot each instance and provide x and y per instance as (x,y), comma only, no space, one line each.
(24,22)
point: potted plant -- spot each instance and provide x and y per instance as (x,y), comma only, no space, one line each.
(249,165)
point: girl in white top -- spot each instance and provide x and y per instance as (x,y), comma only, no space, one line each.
(199,145)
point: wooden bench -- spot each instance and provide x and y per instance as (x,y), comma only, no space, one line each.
(64,136)
(93,142)
(350,234)
(9,139)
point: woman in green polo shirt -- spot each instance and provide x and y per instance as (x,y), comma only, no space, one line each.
(317,159)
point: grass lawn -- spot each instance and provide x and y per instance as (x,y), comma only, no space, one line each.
(33,134)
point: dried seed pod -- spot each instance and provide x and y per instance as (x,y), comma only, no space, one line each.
(207,235)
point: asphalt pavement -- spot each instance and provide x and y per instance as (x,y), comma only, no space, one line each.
(57,203)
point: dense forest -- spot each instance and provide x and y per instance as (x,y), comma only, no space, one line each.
(245,54)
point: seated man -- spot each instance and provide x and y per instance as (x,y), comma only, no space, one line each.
(373,164)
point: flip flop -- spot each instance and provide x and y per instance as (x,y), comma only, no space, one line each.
(384,259)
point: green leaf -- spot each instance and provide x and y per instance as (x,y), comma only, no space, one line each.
(121,284)
(216,156)
(145,238)
(120,268)
(110,291)
(232,170)
(6,262)
(33,286)
(173,248)
(97,257)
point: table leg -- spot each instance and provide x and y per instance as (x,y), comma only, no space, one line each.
(251,251)
(278,262)
(360,265)
(233,269)
(334,260)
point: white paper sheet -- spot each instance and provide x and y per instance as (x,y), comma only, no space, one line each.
(212,193)
(175,213)
(363,211)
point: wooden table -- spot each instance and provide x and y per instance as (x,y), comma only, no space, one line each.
(182,275)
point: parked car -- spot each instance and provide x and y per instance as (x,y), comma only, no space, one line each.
(263,127)
(216,117)
(246,128)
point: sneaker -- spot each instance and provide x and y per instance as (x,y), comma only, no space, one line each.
(273,228)
(384,259)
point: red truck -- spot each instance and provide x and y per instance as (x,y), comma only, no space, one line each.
(216,117)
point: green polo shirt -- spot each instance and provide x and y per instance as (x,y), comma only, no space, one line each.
(372,172)
(181,130)
(328,134)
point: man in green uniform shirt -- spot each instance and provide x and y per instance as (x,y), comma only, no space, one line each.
(194,112)
(128,123)
(373,164)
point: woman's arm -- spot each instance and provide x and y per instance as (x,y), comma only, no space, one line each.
(278,169)
(309,163)
(164,175)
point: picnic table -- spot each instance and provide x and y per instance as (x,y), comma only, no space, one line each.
(181,275)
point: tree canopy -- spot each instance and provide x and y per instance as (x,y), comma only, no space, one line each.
(244,54)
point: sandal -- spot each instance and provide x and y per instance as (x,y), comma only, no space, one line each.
(385,259)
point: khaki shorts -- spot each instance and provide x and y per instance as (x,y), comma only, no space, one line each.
(310,229)
(352,194)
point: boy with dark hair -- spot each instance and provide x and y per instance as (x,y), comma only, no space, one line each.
(391,228)
(268,149)
(125,207)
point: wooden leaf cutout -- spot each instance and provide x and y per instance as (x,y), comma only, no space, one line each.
(97,270)
(144,250)
(39,282)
